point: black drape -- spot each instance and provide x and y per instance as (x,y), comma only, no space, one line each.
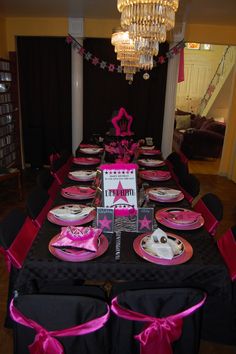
(105,92)
(45,94)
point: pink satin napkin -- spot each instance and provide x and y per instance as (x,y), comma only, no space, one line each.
(78,237)
(181,217)
(74,190)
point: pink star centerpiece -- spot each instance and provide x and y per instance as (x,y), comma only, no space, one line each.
(145,223)
(116,121)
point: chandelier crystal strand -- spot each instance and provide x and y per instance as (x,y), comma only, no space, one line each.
(126,53)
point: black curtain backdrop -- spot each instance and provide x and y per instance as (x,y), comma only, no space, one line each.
(45,94)
(105,92)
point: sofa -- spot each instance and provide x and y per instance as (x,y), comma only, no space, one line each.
(198,137)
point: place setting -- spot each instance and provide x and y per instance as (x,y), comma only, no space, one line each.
(78,192)
(155,175)
(163,248)
(71,214)
(149,151)
(179,218)
(82,175)
(151,162)
(91,150)
(86,160)
(78,244)
(164,194)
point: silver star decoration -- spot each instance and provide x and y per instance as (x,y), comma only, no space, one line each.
(103,64)
(88,56)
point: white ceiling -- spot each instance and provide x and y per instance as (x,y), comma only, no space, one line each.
(219,12)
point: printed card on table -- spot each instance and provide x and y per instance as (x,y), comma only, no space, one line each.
(119,187)
(145,219)
(105,219)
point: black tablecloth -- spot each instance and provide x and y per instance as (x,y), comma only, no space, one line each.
(205,270)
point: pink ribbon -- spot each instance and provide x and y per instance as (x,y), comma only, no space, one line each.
(44,341)
(210,222)
(16,253)
(158,333)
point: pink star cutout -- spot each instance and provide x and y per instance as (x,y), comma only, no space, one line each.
(144,223)
(115,121)
(105,223)
(119,196)
(95,61)
(161,59)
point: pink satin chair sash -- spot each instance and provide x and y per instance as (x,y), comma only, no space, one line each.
(16,253)
(210,222)
(227,247)
(158,333)
(44,342)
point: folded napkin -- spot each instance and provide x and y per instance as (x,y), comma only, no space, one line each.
(83,173)
(158,245)
(78,237)
(165,192)
(162,246)
(151,161)
(71,212)
(181,217)
(74,190)
(90,149)
(148,147)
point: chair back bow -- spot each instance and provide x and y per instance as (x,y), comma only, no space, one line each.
(45,341)
(158,333)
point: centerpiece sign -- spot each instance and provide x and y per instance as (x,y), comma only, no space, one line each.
(120,188)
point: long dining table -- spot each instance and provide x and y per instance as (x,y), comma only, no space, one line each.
(204,270)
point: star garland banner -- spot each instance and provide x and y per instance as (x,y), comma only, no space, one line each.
(111,67)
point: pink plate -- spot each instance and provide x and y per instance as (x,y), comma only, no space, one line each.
(88,146)
(151,162)
(171,224)
(149,152)
(155,175)
(78,192)
(184,256)
(78,256)
(58,221)
(82,178)
(165,200)
(86,160)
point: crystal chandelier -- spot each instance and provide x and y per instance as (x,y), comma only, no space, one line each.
(149,19)
(147,22)
(126,53)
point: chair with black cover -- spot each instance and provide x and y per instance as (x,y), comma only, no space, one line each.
(190,186)
(17,233)
(178,166)
(149,320)
(46,181)
(61,323)
(60,167)
(38,203)
(211,208)
(219,315)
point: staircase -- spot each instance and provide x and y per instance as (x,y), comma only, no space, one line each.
(222,72)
